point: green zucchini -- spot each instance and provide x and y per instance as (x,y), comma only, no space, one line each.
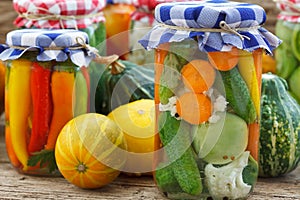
(279,150)
(174,135)
(238,95)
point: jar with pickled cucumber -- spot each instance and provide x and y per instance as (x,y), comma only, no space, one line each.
(287,55)
(47,84)
(207,93)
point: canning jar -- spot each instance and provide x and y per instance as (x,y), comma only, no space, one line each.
(118,21)
(2,86)
(128,21)
(47,84)
(207,95)
(142,20)
(83,15)
(287,55)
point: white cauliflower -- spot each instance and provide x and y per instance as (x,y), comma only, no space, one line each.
(220,105)
(170,106)
(227,181)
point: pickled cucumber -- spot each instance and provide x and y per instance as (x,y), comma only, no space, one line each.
(250,172)
(174,134)
(166,180)
(238,95)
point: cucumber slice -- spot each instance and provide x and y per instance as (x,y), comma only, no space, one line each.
(207,136)
(222,142)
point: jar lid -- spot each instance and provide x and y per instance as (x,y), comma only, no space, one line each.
(59,45)
(218,25)
(77,14)
(290,10)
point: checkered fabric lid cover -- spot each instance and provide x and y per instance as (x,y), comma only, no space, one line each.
(290,10)
(59,45)
(58,13)
(245,18)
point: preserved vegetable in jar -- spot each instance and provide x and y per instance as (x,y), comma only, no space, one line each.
(207,95)
(83,15)
(117,24)
(287,55)
(128,21)
(2,86)
(47,84)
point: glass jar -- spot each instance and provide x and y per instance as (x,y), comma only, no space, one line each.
(83,15)
(47,84)
(128,21)
(287,55)
(2,86)
(117,24)
(142,20)
(207,96)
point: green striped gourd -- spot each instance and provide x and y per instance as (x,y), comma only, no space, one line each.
(121,83)
(280,128)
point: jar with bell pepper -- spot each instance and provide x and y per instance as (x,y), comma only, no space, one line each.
(83,15)
(47,84)
(207,96)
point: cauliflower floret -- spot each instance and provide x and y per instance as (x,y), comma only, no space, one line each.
(227,181)
(220,105)
(170,106)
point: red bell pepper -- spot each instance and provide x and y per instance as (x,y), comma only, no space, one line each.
(42,105)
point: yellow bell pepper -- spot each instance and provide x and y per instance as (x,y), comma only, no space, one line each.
(247,70)
(19,107)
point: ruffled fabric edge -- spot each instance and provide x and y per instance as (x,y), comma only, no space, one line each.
(80,57)
(80,23)
(213,41)
(32,6)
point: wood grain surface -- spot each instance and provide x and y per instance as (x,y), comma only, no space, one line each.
(18,186)
(7,16)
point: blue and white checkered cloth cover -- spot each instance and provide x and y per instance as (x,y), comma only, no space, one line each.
(47,41)
(208,14)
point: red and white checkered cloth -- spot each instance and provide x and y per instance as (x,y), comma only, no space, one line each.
(290,10)
(145,8)
(58,14)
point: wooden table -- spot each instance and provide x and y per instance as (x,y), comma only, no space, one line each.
(17,186)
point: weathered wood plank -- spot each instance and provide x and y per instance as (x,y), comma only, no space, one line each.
(14,185)
(8,15)
(17,186)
